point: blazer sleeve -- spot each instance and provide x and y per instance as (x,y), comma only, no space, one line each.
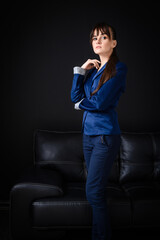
(77,90)
(108,94)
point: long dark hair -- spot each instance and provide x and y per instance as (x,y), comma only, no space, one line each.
(110,69)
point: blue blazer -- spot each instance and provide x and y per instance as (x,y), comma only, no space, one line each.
(100,116)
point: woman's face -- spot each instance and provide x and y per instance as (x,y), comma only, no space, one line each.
(101,43)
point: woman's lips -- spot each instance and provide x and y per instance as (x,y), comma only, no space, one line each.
(98,46)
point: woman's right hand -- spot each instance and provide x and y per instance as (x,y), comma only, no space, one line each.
(90,63)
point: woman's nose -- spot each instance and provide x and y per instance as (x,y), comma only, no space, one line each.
(99,40)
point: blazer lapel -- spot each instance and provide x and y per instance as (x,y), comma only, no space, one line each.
(99,72)
(91,80)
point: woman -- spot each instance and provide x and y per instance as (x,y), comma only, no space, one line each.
(97,93)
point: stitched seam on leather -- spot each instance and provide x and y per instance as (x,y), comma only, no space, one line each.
(41,185)
(137,187)
(61,162)
(62,226)
(64,201)
(131,163)
(79,188)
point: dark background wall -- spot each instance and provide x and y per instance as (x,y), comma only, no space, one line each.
(41,43)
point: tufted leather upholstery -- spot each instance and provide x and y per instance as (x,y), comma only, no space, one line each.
(51,195)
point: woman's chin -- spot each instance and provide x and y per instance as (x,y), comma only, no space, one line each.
(98,51)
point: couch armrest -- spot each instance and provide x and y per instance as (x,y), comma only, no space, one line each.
(33,184)
(40,178)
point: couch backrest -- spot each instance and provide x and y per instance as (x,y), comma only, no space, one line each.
(63,151)
(138,160)
(140,157)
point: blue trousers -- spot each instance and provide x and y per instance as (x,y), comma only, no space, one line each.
(99,152)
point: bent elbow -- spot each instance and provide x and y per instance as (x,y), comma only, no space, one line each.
(75,98)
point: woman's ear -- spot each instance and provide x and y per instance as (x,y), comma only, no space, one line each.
(114,43)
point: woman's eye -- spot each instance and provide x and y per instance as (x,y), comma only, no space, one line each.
(94,38)
(104,37)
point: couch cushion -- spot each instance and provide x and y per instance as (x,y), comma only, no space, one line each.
(73,210)
(139,157)
(145,199)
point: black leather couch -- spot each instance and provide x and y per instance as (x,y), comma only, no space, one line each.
(50,196)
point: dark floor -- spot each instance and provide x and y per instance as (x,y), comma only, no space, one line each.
(83,234)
